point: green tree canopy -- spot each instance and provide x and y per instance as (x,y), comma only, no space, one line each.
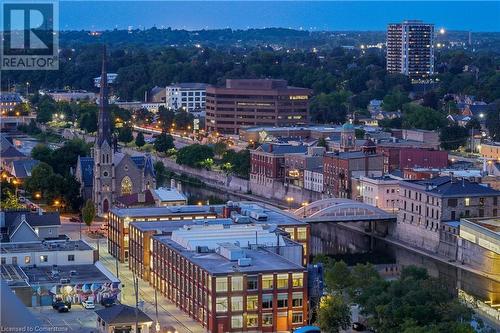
(194,155)
(334,314)
(164,142)
(421,117)
(493,120)
(394,101)
(453,137)
(88,213)
(125,134)
(139,140)
(329,108)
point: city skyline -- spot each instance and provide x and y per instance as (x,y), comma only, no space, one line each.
(314,16)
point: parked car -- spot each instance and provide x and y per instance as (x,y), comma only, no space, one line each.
(59,302)
(107,302)
(63,308)
(88,304)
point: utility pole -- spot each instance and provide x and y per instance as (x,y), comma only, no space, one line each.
(156,310)
(116,265)
(136,282)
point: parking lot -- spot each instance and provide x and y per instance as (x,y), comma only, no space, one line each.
(77,319)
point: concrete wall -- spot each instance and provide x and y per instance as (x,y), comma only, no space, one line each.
(332,238)
(280,191)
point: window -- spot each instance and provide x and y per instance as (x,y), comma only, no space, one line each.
(71,257)
(237,283)
(237,321)
(297,279)
(267,319)
(453,215)
(27,260)
(220,284)
(467,201)
(126,185)
(221,304)
(267,282)
(252,320)
(252,302)
(301,233)
(282,281)
(452,202)
(3,261)
(297,318)
(297,299)
(282,300)
(251,282)
(237,303)
(44,258)
(267,301)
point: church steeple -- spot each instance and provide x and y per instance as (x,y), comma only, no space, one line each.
(104,119)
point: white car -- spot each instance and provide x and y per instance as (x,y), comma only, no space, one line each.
(88,304)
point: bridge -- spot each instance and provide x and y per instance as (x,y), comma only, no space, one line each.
(343,225)
(342,210)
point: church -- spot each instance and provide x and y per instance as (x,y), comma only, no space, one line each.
(109,174)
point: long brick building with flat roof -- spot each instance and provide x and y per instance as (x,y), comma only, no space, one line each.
(255,102)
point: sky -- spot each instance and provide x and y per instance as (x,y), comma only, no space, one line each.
(308,15)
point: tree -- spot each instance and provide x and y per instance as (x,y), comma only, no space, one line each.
(329,108)
(453,137)
(473,124)
(394,101)
(125,134)
(493,120)
(431,100)
(322,143)
(334,314)
(194,155)
(183,119)
(164,142)
(11,201)
(421,117)
(337,276)
(219,148)
(88,213)
(239,161)
(139,140)
(166,116)
(162,174)
(42,152)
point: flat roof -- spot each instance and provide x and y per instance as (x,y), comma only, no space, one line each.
(44,246)
(84,273)
(262,260)
(169,226)
(169,194)
(490,223)
(158,211)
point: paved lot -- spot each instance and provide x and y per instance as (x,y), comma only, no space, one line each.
(77,319)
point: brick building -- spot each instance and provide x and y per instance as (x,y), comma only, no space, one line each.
(261,102)
(340,167)
(297,163)
(402,155)
(227,284)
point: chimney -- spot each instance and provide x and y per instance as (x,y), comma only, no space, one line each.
(172,183)
(40,212)
(452,177)
(141,197)
(179,187)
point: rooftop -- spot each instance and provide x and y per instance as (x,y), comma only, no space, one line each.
(77,274)
(73,245)
(261,259)
(162,211)
(34,219)
(282,148)
(166,227)
(169,194)
(453,187)
(122,314)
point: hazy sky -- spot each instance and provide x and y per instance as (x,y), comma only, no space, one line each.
(310,15)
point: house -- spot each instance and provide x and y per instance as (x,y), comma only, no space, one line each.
(122,318)
(27,226)
(21,169)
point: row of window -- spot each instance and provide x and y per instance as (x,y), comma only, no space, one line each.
(252,302)
(251,320)
(27,259)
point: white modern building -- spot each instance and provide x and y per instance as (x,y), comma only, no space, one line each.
(186,96)
(169,196)
(381,192)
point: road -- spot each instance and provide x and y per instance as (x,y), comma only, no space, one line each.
(168,314)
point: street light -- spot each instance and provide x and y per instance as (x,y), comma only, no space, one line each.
(442,31)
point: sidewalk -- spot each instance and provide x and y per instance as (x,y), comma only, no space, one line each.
(168,314)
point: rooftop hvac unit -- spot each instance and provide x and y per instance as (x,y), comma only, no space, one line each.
(243,262)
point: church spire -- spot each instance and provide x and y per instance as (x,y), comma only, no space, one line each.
(104,119)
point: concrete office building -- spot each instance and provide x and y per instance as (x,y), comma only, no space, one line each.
(410,49)
(255,103)
(186,96)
